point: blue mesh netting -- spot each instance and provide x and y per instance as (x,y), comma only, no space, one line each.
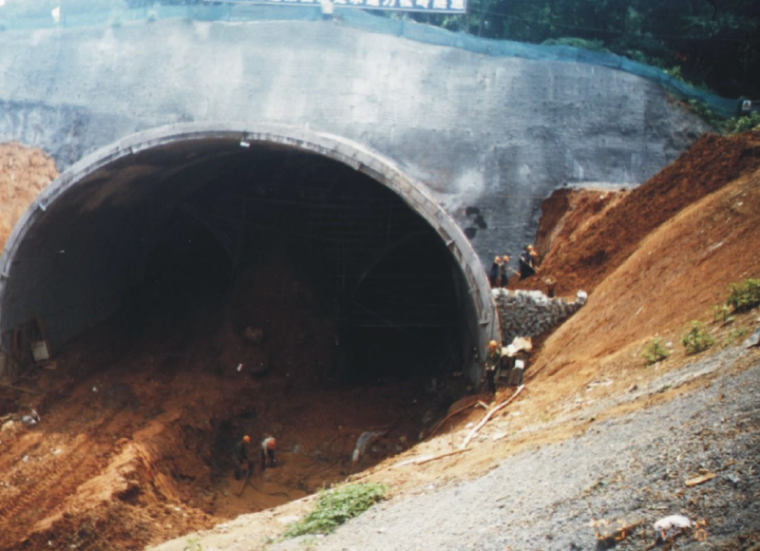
(75,14)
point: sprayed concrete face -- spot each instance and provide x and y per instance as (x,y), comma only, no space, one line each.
(489,135)
(87,241)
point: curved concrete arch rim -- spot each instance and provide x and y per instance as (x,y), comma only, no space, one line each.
(350,153)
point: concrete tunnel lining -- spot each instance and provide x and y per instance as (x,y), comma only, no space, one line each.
(24,267)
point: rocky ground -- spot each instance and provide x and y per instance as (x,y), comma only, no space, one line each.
(627,471)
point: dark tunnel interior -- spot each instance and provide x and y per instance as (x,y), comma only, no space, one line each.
(334,269)
(351,249)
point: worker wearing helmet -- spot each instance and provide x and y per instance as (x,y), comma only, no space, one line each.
(504,271)
(528,262)
(244,458)
(492,363)
(268,445)
(496,272)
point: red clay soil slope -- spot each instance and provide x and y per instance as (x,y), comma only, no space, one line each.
(587,251)
(24,172)
(677,272)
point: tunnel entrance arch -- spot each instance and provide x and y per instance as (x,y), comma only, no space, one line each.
(85,240)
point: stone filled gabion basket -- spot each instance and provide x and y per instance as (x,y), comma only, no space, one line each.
(530,313)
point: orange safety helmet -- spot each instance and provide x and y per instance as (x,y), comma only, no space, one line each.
(247,439)
(492,345)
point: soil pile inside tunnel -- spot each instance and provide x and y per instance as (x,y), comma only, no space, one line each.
(136,442)
(24,172)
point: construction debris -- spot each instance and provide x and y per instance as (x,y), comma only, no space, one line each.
(428,458)
(608,540)
(753,340)
(671,526)
(518,345)
(32,419)
(363,442)
(469,402)
(490,414)
(700,479)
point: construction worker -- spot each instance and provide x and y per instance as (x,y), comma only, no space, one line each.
(268,445)
(504,271)
(492,363)
(243,458)
(527,262)
(496,272)
(550,283)
(534,257)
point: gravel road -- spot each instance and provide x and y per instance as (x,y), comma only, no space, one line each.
(566,496)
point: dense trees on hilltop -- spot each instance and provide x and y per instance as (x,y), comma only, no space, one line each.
(712,43)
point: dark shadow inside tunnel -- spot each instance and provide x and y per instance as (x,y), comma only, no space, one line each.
(285,260)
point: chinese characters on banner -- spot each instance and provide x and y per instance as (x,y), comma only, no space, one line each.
(432,6)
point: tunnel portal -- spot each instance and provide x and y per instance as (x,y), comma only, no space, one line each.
(307,239)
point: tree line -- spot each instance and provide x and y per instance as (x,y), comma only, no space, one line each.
(714,44)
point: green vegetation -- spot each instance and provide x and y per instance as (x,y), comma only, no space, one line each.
(730,125)
(737,125)
(745,295)
(593,45)
(654,352)
(334,507)
(707,43)
(722,314)
(193,544)
(697,339)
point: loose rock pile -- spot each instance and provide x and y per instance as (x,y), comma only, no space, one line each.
(530,313)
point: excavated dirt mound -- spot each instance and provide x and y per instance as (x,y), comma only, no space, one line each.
(599,230)
(677,273)
(136,442)
(24,172)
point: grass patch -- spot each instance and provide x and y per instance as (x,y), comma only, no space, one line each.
(745,295)
(193,544)
(334,507)
(697,339)
(722,314)
(654,352)
(725,125)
